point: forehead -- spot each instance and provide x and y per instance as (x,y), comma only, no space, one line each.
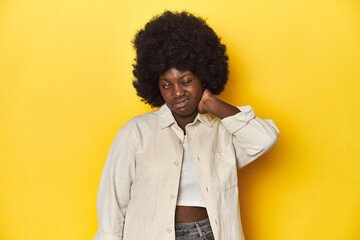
(174,74)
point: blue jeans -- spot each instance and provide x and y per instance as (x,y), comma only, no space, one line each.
(200,230)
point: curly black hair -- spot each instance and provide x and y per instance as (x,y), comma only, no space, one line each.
(181,41)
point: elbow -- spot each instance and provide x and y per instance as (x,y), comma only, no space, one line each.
(270,135)
(269,140)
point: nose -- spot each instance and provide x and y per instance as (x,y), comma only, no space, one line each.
(178,90)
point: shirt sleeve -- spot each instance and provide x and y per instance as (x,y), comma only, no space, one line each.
(114,189)
(252,136)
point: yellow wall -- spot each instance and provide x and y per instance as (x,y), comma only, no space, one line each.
(65,90)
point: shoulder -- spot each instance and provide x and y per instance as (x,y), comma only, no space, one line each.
(232,123)
(142,121)
(137,126)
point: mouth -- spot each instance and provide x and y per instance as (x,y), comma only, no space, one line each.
(181,103)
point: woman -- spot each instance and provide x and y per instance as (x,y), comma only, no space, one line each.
(172,173)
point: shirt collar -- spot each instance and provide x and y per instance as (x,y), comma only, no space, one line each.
(167,119)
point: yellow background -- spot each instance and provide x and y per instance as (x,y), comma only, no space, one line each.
(65,90)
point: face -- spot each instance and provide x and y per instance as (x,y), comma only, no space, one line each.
(182,92)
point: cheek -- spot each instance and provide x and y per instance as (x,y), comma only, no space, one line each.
(164,95)
(199,93)
(161,91)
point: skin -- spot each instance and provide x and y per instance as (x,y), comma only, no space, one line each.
(182,92)
(186,96)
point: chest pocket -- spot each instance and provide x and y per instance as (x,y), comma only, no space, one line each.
(225,165)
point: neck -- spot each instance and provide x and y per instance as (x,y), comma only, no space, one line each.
(182,121)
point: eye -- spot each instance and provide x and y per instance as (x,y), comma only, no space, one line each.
(186,82)
(166,86)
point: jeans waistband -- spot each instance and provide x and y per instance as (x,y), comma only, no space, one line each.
(201,222)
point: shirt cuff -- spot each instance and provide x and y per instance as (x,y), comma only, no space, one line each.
(239,120)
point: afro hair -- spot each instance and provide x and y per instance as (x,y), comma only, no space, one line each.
(181,41)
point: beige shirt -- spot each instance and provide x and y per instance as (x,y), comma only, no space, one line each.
(139,184)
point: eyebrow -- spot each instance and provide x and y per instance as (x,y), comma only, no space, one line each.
(179,78)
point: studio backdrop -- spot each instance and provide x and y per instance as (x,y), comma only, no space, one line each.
(66,89)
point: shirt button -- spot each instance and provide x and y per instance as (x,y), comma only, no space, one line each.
(168,230)
(176,163)
(172,196)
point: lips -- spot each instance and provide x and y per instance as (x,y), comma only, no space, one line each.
(181,103)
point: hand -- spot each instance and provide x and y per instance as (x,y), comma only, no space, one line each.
(211,104)
(202,107)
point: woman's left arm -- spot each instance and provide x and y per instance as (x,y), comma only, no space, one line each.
(252,136)
(211,104)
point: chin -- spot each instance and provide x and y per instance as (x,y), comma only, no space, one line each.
(185,112)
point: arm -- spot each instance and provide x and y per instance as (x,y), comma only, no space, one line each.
(114,189)
(211,104)
(251,135)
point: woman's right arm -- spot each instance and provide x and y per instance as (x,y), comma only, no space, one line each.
(114,189)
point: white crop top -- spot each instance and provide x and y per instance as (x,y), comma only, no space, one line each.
(189,188)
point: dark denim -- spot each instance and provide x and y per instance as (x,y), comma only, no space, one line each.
(200,230)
